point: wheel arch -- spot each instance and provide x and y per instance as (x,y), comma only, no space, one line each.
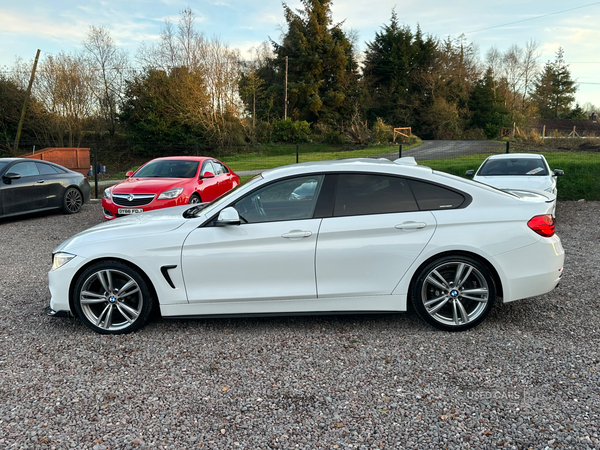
(75,278)
(482,260)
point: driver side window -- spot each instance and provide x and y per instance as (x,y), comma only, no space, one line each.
(291,199)
(25,169)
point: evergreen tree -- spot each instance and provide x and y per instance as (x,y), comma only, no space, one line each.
(487,110)
(394,63)
(322,70)
(554,89)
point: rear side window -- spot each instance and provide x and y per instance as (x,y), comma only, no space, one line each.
(219,168)
(359,194)
(433,197)
(46,169)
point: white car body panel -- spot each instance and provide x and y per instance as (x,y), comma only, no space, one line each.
(233,251)
(354,263)
(367,255)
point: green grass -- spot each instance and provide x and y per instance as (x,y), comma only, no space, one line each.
(580,181)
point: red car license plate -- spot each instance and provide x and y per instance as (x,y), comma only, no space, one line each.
(130,210)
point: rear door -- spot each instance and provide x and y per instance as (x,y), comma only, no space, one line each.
(225,177)
(375,234)
(54,181)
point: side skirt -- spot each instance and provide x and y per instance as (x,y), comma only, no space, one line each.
(339,305)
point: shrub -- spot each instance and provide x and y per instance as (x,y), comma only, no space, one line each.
(381,133)
(333,137)
(292,132)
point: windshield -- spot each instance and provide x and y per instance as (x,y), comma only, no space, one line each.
(2,165)
(168,169)
(513,167)
(207,208)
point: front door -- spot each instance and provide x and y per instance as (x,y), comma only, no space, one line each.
(28,193)
(269,258)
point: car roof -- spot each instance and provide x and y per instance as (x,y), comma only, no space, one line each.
(182,158)
(348,165)
(27,159)
(517,156)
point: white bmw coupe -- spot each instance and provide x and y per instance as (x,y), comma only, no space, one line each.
(359,235)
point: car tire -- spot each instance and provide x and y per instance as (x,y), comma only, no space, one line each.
(111,297)
(453,293)
(72,201)
(195,198)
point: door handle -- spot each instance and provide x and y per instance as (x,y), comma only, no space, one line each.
(41,181)
(411,225)
(296,234)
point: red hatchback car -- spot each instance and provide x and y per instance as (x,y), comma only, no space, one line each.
(169,181)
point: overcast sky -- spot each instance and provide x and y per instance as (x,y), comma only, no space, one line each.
(56,25)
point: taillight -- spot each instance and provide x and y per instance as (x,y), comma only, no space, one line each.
(542,225)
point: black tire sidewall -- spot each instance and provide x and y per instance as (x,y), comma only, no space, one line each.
(417,285)
(195,196)
(148,297)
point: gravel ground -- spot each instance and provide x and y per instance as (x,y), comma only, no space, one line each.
(526,378)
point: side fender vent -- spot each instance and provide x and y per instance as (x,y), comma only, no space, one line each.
(165,271)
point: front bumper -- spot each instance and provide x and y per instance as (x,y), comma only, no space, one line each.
(111,211)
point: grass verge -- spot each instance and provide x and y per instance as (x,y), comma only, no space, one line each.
(580,181)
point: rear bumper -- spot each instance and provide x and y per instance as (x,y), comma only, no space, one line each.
(532,270)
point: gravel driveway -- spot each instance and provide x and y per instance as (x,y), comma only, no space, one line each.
(528,377)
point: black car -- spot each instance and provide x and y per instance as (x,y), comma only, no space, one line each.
(30,185)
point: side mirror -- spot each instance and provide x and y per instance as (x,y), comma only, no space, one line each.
(129,174)
(208,175)
(558,172)
(8,177)
(228,216)
(469,173)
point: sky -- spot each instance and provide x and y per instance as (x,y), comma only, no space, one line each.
(62,25)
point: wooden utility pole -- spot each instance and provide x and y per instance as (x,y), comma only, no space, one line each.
(27,94)
(286,73)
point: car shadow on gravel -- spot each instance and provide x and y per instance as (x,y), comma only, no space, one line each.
(292,323)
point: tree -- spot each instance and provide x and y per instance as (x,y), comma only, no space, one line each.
(589,108)
(487,110)
(261,85)
(63,86)
(393,62)
(322,68)
(209,63)
(109,65)
(577,113)
(12,97)
(165,107)
(444,112)
(554,89)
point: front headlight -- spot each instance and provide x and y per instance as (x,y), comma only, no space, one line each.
(60,259)
(171,193)
(107,194)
